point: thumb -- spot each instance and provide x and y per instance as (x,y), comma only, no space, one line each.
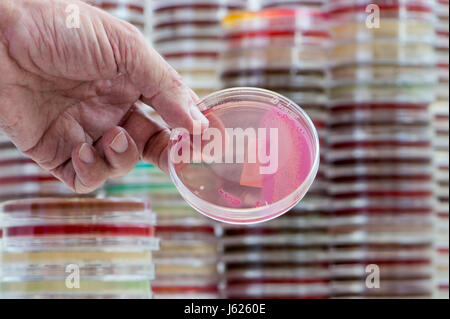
(160,85)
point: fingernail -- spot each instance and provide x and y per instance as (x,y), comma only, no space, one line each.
(86,155)
(119,143)
(198,116)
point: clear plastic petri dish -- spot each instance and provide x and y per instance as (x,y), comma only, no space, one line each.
(273,272)
(408,235)
(160,194)
(299,256)
(257,159)
(387,154)
(442,91)
(390,29)
(421,10)
(109,240)
(276,19)
(303,57)
(389,73)
(61,218)
(302,290)
(185,232)
(189,267)
(339,172)
(366,205)
(263,231)
(374,113)
(406,288)
(171,5)
(143,173)
(187,30)
(275,79)
(374,135)
(318,238)
(194,290)
(193,62)
(179,248)
(287,221)
(314,4)
(32,186)
(128,10)
(189,46)
(20,167)
(90,289)
(398,186)
(192,14)
(382,93)
(265,38)
(382,52)
(442,7)
(10,153)
(443,72)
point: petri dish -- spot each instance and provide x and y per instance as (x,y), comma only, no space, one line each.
(374,113)
(189,46)
(382,93)
(421,10)
(383,52)
(292,3)
(305,290)
(276,19)
(275,79)
(186,30)
(277,272)
(388,73)
(128,10)
(304,57)
(339,172)
(257,159)
(391,29)
(190,62)
(164,6)
(110,240)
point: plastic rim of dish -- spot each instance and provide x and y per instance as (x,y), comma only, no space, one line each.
(256,214)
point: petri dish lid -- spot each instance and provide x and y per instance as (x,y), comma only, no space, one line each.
(292,3)
(233,172)
(53,210)
(275,19)
(159,6)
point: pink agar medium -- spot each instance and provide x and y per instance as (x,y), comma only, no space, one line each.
(241,184)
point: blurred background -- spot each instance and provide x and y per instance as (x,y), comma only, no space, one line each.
(373,75)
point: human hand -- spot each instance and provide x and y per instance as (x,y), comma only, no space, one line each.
(70,98)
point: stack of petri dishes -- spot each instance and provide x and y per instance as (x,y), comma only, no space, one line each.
(132,11)
(187,263)
(77,248)
(440,110)
(188,34)
(20,177)
(285,258)
(283,50)
(379,156)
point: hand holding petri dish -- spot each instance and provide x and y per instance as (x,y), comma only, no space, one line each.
(256,160)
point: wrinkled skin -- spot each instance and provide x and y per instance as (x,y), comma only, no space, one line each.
(70,97)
